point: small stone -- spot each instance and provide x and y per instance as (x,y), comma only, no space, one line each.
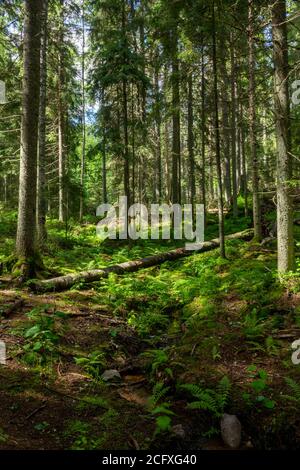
(231,431)
(178,430)
(111,375)
(249,445)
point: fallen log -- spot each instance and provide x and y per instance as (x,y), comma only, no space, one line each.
(65,282)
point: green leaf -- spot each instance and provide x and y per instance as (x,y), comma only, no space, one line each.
(33,331)
(163,423)
(263,374)
(37,346)
(258,385)
(270,404)
(162,409)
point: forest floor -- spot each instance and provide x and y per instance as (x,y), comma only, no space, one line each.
(191,339)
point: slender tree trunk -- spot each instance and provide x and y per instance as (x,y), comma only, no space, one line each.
(82,165)
(252,128)
(143,89)
(239,126)
(233,128)
(203,133)
(125,120)
(5,189)
(133,142)
(26,231)
(176,167)
(211,166)
(225,124)
(103,148)
(104,184)
(192,186)
(61,123)
(126,143)
(158,131)
(167,145)
(217,138)
(41,176)
(168,183)
(244,178)
(285,234)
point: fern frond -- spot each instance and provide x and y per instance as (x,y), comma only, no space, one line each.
(295,388)
(195,390)
(223,391)
(208,399)
(159,392)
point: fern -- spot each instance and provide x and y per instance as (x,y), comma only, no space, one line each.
(161,409)
(223,391)
(158,393)
(209,399)
(295,388)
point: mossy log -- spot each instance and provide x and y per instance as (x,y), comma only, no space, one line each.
(65,282)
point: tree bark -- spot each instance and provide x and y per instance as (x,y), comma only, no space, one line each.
(61,123)
(82,163)
(285,237)
(233,127)
(217,138)
(126,175)
(252,127)
(41,176)
(203,133)
(176,167)
(225,124)
(192,188)
(103,147)
(26,231)
(158,131)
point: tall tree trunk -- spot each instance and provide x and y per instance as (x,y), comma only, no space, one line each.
(158,132)
(225,125)
(239,126)
(176,167)
(5,189)
(191,141)
(61,122)
(203,132)
(217,137)
(244,175)
(104,185)
(233,128)
(103,148)
(252,127)
(143,90)
(26,231)
(41,176)
(126,143)
(125,118)
(133,142)
(82,164)
(285,235)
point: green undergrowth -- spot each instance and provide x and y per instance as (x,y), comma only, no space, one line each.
(72,247)
(207,335)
